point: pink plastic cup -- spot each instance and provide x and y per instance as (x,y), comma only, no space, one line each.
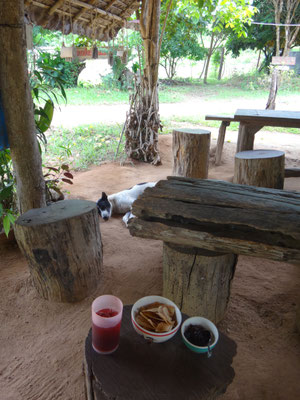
(106,323)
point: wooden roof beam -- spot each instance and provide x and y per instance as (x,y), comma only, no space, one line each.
(78,15)
(55,6)
(129,6)
(111,3)
(97,9)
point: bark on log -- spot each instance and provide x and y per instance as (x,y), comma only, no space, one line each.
(246,136)
(62,244)
(18,107)
(264,168)
(191,152)
(198,281)
(207,291)
(222,217)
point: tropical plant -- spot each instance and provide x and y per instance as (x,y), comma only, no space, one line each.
(8,210)
(56,71)
(44,97)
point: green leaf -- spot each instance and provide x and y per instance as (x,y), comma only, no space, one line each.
(45,120)
(6,225)
(11,218)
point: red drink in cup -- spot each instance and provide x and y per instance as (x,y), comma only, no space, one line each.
(106,323)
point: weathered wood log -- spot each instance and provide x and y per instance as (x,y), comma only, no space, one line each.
(225,121)
(143,371)
(292,172)
(198,281)
(62,244)
(191,152)
(222,217)
(263,168)
(246,136)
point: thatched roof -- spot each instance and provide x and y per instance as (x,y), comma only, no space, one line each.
(97,19)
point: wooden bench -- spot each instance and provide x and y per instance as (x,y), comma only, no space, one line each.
(219,217)
(226,120)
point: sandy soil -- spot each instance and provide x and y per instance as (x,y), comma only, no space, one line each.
(41,343)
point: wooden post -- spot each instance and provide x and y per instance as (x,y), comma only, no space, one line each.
(197,280)
(264,168)
(62,244)
(220,143)
(191,153)
(246,136)
(18,107)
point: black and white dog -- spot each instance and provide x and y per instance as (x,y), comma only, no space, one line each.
(121,202)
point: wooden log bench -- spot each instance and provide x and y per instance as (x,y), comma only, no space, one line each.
(219,217)
(225,121)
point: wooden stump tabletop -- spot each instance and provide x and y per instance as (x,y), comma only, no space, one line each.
(140,370)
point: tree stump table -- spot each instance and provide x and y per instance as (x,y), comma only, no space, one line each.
(191,152)
(62,244)
(264,168)
(163,371)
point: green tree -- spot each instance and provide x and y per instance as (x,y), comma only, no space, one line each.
(260,37)
(181,40)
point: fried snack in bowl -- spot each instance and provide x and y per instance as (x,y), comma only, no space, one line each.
(156,318)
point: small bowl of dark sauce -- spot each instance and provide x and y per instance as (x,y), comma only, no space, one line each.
(199,334)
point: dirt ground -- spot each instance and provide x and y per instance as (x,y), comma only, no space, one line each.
(41,343)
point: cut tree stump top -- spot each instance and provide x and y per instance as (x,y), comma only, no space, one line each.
(193,131)
(166,371)
(55,212)
(258,154)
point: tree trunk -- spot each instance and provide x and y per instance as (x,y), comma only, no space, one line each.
(271,103)
(208,58)
(191,153)
(143,121)
(221,63)
(198,281)
(62,244)
(264,168)
(18,107)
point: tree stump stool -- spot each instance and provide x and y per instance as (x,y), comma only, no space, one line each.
(62,244)
(191,153)
(147,371)
(264,168)
(198,281)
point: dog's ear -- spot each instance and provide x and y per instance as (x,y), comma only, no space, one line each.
(104,196)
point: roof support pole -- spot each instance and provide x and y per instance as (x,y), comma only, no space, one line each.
(18,107)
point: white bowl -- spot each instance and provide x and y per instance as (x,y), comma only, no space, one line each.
(205,323)
(153,336)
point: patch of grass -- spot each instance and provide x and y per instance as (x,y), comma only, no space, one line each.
(96,95)
(84,145)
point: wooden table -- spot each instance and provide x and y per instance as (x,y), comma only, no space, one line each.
(163,371)
(251,121)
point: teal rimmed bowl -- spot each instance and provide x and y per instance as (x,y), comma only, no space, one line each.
(205,323)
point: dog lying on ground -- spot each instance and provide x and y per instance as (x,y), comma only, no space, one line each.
(121,202)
